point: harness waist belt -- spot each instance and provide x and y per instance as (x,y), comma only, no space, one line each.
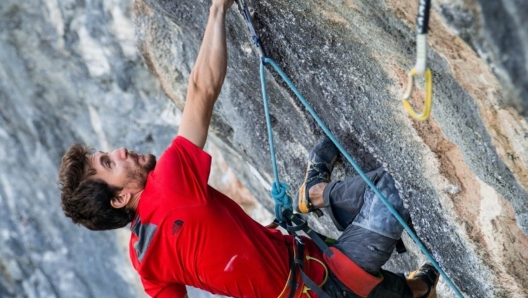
(350,274)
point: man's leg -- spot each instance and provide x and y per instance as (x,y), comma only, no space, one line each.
(343,200)
(371,230)
(347,202)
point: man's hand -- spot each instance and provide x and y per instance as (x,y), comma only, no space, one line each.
(223,3)
(207,77)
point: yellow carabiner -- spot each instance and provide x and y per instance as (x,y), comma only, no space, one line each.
(428,95)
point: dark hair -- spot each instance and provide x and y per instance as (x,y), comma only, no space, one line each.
(86,200)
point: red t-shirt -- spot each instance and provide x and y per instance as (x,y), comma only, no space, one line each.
(187,233)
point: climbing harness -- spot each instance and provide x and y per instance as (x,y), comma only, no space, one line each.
(420,68)
(293,223)
(283,202)
(348,272)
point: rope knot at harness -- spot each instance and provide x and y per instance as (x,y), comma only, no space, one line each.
(281,198)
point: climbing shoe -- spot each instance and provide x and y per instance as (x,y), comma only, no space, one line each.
(428,274)
(321,161)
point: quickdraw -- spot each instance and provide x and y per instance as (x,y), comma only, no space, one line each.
(244,10)
(420,67)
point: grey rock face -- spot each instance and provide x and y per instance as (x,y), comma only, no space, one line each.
(70,71)
(499,33)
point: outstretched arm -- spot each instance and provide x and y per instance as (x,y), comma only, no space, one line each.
(206,77)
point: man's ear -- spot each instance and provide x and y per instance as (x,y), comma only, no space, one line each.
(121,199)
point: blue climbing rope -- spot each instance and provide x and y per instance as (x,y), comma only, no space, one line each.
(278,188)
(278,191)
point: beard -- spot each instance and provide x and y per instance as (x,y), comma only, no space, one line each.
(150,163)
(139,174)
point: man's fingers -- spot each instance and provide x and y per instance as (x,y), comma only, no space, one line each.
(225,3)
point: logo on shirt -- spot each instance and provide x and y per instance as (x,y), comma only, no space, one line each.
(176,227)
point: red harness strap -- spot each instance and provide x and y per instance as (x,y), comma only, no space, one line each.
(350,274)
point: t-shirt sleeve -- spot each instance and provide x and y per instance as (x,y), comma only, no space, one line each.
(184,168)
(166,291)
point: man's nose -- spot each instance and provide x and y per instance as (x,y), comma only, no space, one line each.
(121,153)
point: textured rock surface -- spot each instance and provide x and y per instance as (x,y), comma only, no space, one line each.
(71,72)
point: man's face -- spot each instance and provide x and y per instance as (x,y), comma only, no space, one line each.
(122,168)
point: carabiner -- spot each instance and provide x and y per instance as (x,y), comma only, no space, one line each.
(428,95)
(244,10)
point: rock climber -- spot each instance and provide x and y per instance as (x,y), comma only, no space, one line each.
(184,232)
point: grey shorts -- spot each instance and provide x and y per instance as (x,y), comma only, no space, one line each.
(370,231)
